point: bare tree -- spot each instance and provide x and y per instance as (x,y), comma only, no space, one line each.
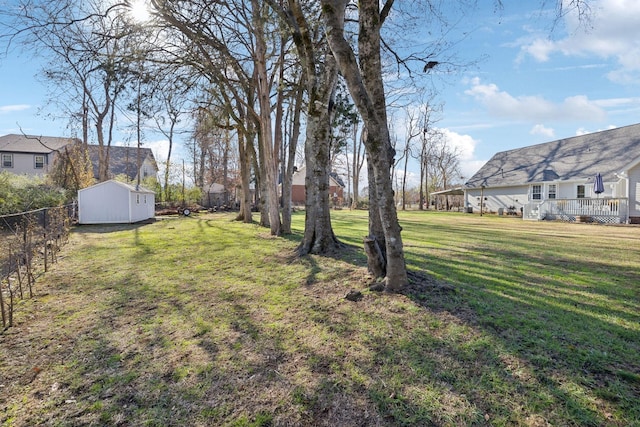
(429,136)
(88,45)
(174,103)
(320,76)
(290,149)
(217,142)
(228,43)
(357,161)
(412,131)
(364,80)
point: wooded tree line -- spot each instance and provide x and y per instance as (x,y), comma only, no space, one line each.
(254,77)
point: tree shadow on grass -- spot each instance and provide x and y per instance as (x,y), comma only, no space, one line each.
(488,352)
(576,352)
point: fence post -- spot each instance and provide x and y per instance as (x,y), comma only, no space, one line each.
(44,227)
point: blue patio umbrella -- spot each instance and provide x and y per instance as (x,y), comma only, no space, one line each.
(598,185)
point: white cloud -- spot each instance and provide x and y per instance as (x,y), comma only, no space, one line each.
(540,49)
(465,146)
(160,149)
(470,168)
(4,109)
(542,130)
(612,32)
(535,108)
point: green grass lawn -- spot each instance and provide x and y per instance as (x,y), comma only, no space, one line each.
(203,321)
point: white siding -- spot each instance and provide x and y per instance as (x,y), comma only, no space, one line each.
(634,191)
(142,206)
(620,188)
(113,202)
(496,198)
(566,190)
(148,169)
(25,163)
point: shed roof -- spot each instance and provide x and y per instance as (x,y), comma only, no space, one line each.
(33,144)
(130,188)
(579,158)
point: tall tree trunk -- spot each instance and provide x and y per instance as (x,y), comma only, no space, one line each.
(367,90)
(269,155)
(404,177)
(167,167)
(278,143)
(246,137)
(296,109)
(357,161)
(318,232)
(423,170)
(225,163)
(321,80)
(262,195)
(245,177)
(376,231)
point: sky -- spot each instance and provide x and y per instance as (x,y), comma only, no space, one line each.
(533,81)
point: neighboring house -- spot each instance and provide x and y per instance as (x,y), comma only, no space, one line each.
(30,155)
(114,202)
(34,155)
(555,180)
(298,194)
(124,161)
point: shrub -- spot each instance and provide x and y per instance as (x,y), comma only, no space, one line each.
(19,193)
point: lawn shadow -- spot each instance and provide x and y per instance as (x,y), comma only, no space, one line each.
(575,351)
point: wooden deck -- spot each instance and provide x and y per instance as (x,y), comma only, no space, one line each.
(604,210)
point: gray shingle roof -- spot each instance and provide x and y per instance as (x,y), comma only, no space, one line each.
(33,144)
(571,159)
(122,160)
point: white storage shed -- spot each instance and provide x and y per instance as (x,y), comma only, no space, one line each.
(114,202)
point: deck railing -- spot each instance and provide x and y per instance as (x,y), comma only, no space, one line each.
(604,210)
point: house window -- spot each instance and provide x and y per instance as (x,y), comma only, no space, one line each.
(7,160)
(552,191)
(580,192)
(137,199)
(536,192)
(39,161)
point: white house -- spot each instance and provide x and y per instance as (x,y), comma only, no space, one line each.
(555,180)
(114,202)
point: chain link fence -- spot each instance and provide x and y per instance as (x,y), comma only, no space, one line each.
(29,244)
